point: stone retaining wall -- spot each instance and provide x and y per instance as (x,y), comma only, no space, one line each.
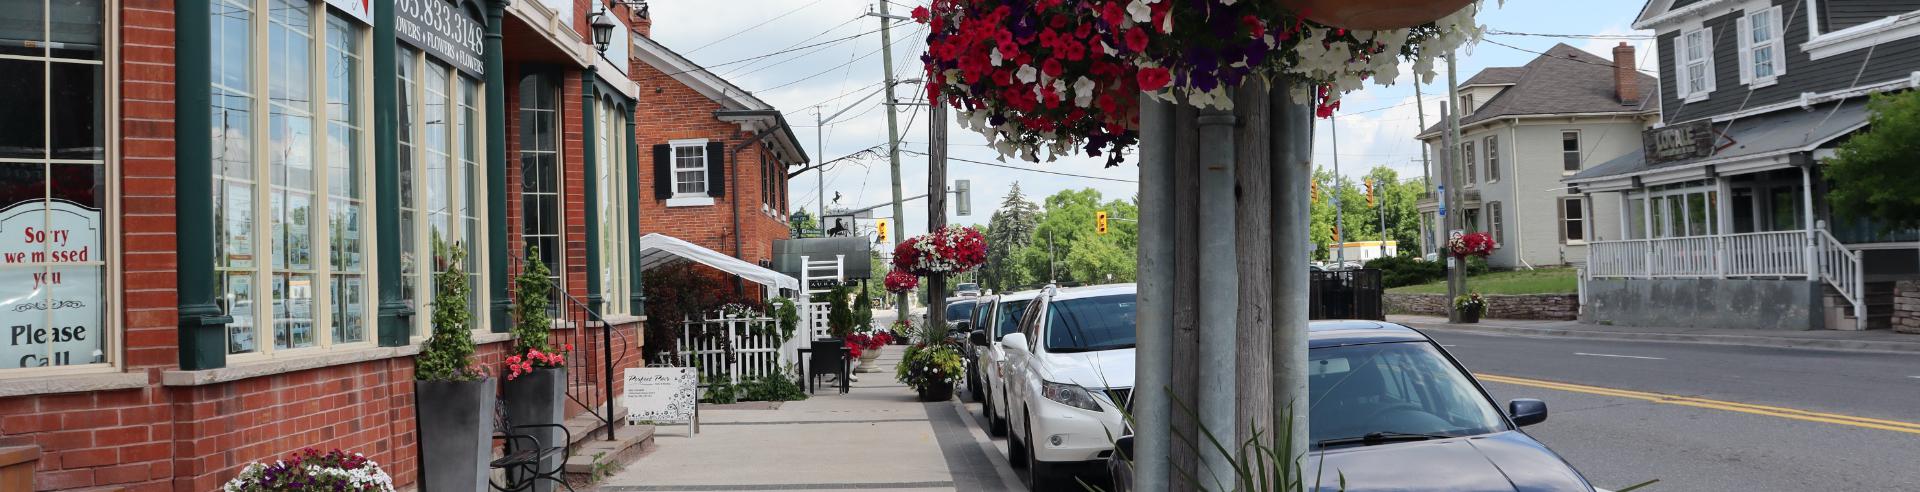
(1906,306)
(1528,306)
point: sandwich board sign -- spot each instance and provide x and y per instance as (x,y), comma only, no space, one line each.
(662,395)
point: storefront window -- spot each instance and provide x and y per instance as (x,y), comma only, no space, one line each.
(612,149)
(540,173)
(439,205)
(53,176)
(296,279)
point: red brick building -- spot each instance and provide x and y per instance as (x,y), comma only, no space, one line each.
(196,290)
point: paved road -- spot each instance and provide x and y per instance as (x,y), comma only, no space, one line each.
(1704,417)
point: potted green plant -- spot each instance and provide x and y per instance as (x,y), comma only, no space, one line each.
(1471,306)
(452,400)
(931,365)
(840,316)
(535,390)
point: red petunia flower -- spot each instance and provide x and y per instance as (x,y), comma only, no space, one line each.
(1051,67)
(1154,78)
(1136,39)
(920,14)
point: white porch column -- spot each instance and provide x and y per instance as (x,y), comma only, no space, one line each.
(1723,220)
(1813,244)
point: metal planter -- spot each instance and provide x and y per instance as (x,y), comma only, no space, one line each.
(539,398)
(455,420)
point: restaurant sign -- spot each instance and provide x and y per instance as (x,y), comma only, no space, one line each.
(50,296)
(444,31)
(1678,142)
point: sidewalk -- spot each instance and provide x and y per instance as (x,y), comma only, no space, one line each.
(1871,340)
(878,436)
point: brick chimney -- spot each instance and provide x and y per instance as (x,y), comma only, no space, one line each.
(1626,81)
(641,20)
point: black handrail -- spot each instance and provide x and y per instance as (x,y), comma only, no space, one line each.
(574,323)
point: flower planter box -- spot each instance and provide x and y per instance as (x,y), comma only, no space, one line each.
(1469,316)
(455,420)
(538,398)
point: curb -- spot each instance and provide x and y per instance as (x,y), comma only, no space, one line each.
(1742,340)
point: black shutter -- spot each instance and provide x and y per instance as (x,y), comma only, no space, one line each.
(716,169)
(662,171)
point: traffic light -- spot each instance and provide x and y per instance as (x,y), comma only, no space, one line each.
(1336,234)
(1313,191)
(880,227)
(1100,222)
(1369,182)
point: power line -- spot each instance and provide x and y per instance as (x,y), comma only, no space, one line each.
(817,35)
(709,68)
(1571,59)
(970,161)
(752,27)
(829,69)
(1629,37)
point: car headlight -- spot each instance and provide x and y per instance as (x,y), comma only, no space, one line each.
(1069,394)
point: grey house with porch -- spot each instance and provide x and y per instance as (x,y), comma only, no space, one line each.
(1725,222)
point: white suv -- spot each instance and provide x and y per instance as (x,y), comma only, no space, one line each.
(1066,368)
(996,316)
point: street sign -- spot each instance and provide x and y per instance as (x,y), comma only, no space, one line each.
(840,225)
(1100,222)
(963,197)
(881,227)
(661,394)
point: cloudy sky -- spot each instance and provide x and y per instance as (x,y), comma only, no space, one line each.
(1376,125)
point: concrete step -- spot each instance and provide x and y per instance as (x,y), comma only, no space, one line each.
(596,458)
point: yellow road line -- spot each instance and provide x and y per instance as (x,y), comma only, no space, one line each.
(1781,412)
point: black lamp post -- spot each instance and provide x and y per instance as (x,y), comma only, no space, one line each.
(603,25)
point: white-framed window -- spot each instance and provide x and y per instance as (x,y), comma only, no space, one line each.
(1471,160)
(690,172)
(1493,158)
(1681,210)
(1570,150)
(56,183)
(1694,52)
(441,183)
(1497,220)
(542,225)
(689,168)
(1573,220)
(290,196)
(611,147)
(1762,47)
(1466,104)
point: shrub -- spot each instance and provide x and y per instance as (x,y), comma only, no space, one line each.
(448,355)
(532,293)
(1400,271)
(771,387)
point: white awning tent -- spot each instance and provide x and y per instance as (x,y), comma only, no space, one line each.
(657,249)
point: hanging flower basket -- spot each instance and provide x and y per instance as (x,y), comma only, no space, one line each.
(1057,78)
(900,282)
(947,251)
(1471,244)
(1374,14)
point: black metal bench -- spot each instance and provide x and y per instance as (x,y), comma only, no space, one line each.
(523,454)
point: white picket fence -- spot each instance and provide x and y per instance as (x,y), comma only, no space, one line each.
(754,337)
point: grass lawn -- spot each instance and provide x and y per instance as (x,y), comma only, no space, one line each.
(1540,281)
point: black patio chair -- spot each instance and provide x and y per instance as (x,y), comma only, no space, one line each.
(828,356)
(524,453)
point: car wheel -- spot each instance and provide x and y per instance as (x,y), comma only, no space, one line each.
(1016,449)
(973,384)
(1039,473)
(996,425)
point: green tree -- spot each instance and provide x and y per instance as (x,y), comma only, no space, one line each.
(1872,173)
(1010,229)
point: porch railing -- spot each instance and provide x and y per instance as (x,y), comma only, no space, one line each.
(597,348)
(1757,254)
(1840,268)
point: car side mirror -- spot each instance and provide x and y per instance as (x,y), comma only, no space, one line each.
(963,326)
(978,337)
(1014,341)
(1124,447)
(1527,411)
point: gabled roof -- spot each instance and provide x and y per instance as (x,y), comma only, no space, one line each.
(737,105)
(1565,80)
(1660,12)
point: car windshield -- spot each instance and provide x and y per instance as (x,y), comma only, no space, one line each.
(966,287)
(960,311)
(1009,315)
(1390,389)
(1090,323)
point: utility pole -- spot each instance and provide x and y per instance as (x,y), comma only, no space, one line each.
(1338,206)
(1426,162)
(936,201)
(1052,278)
(1449,159)
(820,172)
(1380,203)
(893,138)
